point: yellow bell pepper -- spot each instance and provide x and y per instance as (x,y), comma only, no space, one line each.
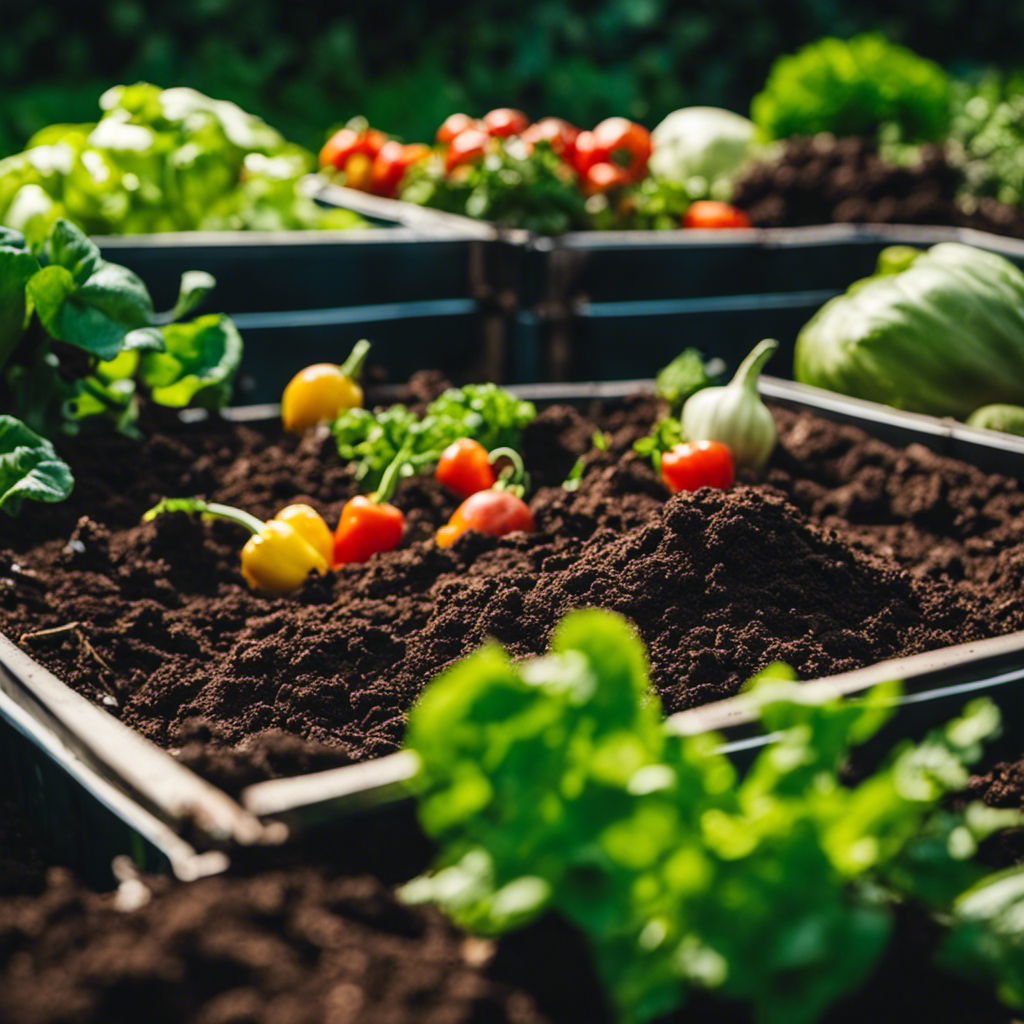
(323,391)
(281,553)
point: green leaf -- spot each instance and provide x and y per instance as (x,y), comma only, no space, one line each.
(195,286)
(684,376)
(48,289)
(198,365)
(29,467)
(17,266)
(117,293)
(68,247)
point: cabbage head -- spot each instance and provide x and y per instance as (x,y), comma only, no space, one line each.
(943,336)
(702,148)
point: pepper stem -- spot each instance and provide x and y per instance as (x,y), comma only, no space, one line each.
(389,481)
(750,368)
(208,509)
(514,477)
(353,366)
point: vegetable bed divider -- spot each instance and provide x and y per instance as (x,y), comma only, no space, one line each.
(97,788)
(661,291)
(303,296)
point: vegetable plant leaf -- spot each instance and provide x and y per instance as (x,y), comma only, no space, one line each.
(684,376)
(48,290)
(195,286)
(68,247)
(29,467)
(117,293)
(198,364)
(17,266)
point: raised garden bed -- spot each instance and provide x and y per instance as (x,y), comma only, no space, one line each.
(849,552)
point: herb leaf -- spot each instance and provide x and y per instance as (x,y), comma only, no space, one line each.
(29,467)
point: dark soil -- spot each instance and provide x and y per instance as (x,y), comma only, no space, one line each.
(822,180)
(849,552)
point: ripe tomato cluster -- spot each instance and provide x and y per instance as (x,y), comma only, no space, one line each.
(370,160)
(609,158)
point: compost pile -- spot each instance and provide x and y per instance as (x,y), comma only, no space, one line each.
(824,180)
(850,552)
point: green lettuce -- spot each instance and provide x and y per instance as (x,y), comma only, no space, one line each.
(161,160)
(943,336)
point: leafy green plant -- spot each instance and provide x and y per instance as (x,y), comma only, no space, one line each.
(986,138)
(554,783)
(483,412)
(853,87)
(78,337)
(160,160)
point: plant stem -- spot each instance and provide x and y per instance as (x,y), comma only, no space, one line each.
(209,509)
(353,366)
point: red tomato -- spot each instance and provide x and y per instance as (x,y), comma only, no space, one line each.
(505,122)
(366,527)
(492,512)
(693,464)
(624,143)
(454,124)
(603,177)
(585,153)
(372,142)
(559,134)
(339,147)
(391,163)
(464,468)
(466,147)
(707,213)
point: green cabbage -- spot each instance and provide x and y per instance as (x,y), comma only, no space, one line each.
(703,148)
(944,336)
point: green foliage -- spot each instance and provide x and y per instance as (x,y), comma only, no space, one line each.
(484,412)
(987,138)
(854,87)
(29,467)
(553,783)
(535,191)
(77,334)
(159,160)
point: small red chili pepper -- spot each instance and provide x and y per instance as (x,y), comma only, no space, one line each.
(693,464)
(465,468)
(366,527)
(369,524)
(492,512)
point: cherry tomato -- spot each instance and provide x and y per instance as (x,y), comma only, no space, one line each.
(319,392)
(585,153)
(391,163)
(707,213)
(492,512)
(624,143)
(693,464)
(454,124)
(464,468)
(505,122)
(559,134)
(466,147)
(358,171)
(372,142)
(366,527)
(603,177)
(339,147)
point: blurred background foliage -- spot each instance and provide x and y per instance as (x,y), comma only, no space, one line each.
(407,64)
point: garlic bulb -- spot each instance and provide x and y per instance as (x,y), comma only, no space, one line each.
(734,415)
